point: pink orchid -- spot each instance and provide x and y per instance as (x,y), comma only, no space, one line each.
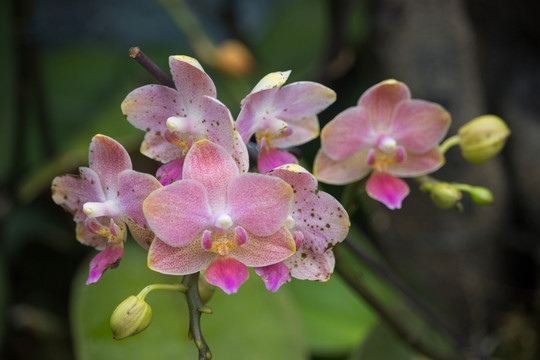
(175,118)
(388,132)
(105,198)
(220,218)
(282,117)
(320,222)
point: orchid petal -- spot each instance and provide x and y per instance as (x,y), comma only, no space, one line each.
(256,109)
(302,99)
(265,250)
(72,192)
(84,236)
(348,132)
(158,148)
(182,260)
(133,188)
(227,274)
(387,189)
(148,108)
(142,236)
(259,203)
(302,131)
(108,158)
(272,80)
(381,101)
(271,158)
(192,83)
(308,265)
(170,172)
(178,212)
(106,259)
(418,164)
(213,167)
(339,172)
(274,275)
(420,125)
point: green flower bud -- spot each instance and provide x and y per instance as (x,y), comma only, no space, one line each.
(482,138)
(445,195)
(481,195)
(206,290)
(130,317)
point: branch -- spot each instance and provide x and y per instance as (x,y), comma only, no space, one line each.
(196,307)
(151,67)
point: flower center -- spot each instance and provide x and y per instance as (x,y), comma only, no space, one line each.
(222,241)
(385,152)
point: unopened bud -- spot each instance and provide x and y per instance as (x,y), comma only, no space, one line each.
(233,58)
(445,195)
(481,195)
(482,138)
(130,317)
(206,290)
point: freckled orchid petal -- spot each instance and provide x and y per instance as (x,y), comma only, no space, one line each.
(181,260)
(259,203)
(270,81)
(108,158)
(213,167)
(340,172)
(158,148)
(227,274)
(419,125)
(134,187)
(416,165)
(265,250)
(142,236)
(191,81)
(308,265)
(301,99)
(240,153)
(148,107)
(348,132)
(84,236)
(387,189)
(319,216)
(271,158)
(170,172)
(274,275)
(106,259)
(72,192)
(178,212)
(381,100)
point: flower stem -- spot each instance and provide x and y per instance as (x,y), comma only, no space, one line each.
(171,287)
(140,57)
(196,307)
(448,143)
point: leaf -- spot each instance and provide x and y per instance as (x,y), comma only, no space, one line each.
(253,324)
(382,344)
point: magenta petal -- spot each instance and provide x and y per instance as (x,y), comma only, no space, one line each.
(72,192)
(106,259)
(381,101)
(271,158)
(265,250)
(178,212)
(387,189)
(134,187)
(213,167)
(227,273)
(182,260)
(274,275)
(419,125)
(171,171)
(344,171)
(108,158)
(349,131)
(259,203)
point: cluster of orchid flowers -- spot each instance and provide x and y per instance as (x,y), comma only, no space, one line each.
(208,209)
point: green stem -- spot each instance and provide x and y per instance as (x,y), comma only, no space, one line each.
(171,287)
(448,143)
(196,307)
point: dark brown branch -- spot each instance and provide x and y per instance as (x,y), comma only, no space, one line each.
(195,305)
(151,67)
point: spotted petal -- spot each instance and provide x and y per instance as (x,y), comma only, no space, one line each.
(106,259)
(134,188)
(265,250)
(182,260)
(309,265)
(192,83)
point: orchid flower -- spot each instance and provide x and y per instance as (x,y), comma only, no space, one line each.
(387,132)
(175,118)
(219,218)
(282,117)
(105,198)
(320,222)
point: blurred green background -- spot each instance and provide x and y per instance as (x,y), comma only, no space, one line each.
(65,69)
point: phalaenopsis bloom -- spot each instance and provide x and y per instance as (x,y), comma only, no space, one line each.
(387,133)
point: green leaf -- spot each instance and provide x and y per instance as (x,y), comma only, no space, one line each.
(253,324)
(382,344)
